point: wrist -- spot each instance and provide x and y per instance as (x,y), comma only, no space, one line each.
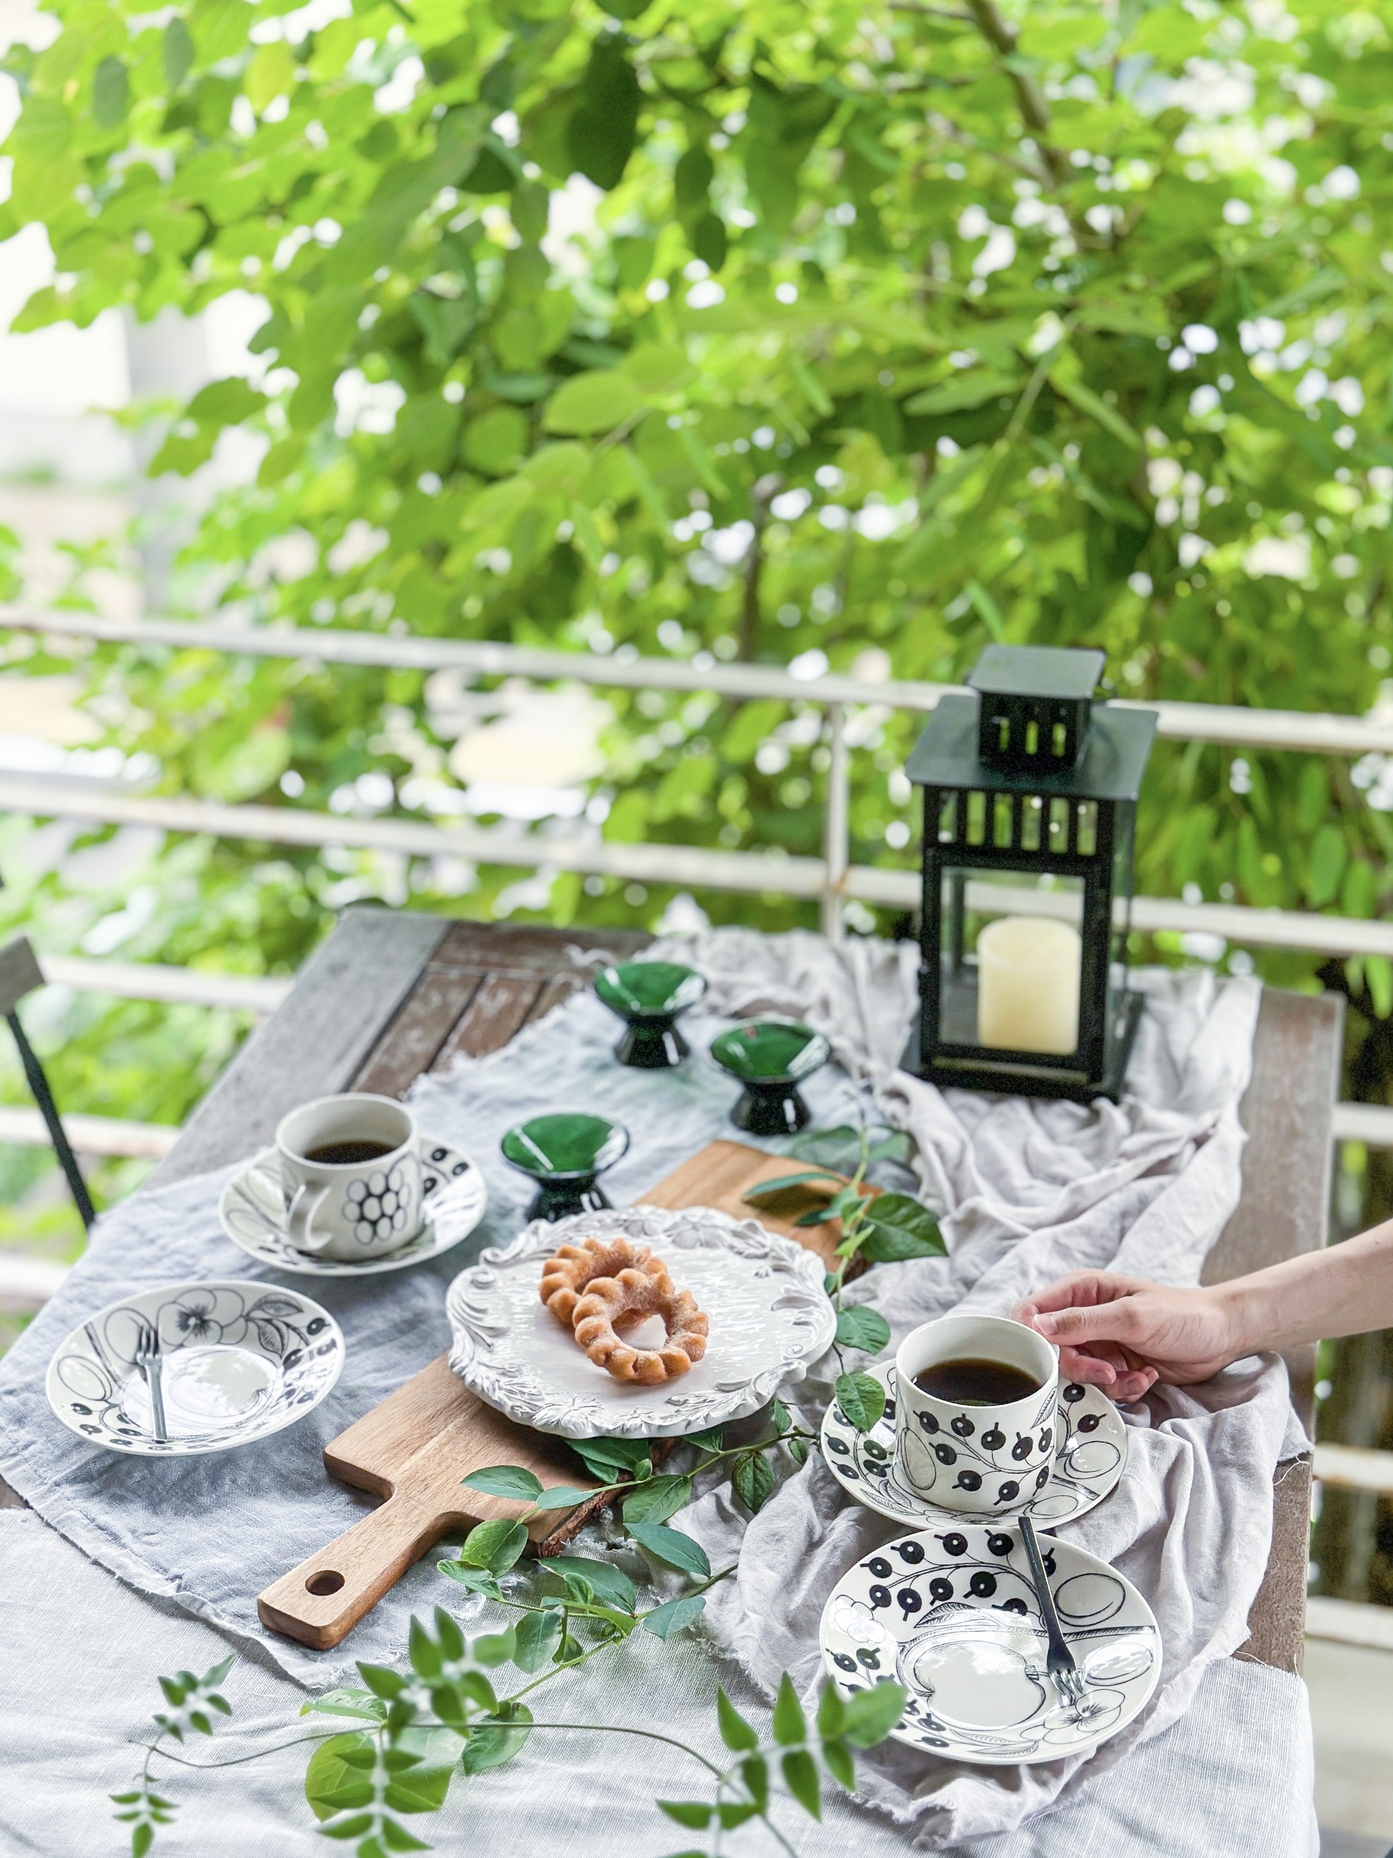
(1241,1323)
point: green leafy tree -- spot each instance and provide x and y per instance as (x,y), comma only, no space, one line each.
(753,331)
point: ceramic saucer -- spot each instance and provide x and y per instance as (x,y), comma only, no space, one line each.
(1088,1462)
(453,1198)
(770,1320)
(238,1362)
(952,1615)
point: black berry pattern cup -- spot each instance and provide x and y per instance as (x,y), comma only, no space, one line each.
(982,1459)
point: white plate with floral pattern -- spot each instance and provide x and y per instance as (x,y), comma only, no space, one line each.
(453,1198)
(763,1295)
(952,1615)
(1089,1460)
(238,1361)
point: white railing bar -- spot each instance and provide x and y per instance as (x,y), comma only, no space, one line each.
(1230,725)
(836,823)
(26,1282)
(90,1135)
(688,866)
(1352,1467)
(1370,1123)
(149,980)
(1351,1622)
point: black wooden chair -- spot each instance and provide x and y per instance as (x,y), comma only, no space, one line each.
(20,974)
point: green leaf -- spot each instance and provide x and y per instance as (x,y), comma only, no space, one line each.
(505,1480)
(900,1228)
(798,1451)
(790,1725)
(656,1500)
(475,1580)
(1088,402)
(610,1585)
(862,1328)
(839,1763)
(872,1714)
(801,1779)
(495,1647)
(736,1733)
(708,1441)
(753,1481)
(142,1838)
(779,1417)
(111,93)
(671,1546)
(694,1813)
(494,1545)
(382,1682)
(594,402)
(861,1398)
(755,1774)
(563,1497)
(671,1618)
(328,1775)
(178,52)
(968,390)
(784,1181)
(831,1712)
(538,1635)
(604,1457)
(491,1745)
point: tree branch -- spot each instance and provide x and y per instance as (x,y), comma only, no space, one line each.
(1002,36)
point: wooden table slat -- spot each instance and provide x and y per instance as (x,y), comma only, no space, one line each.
(411,1044)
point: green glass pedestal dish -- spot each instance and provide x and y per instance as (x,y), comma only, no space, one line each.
(771,1057)
(564,1154)
(648,996)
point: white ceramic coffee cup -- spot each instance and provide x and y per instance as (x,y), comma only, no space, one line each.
(980,1460)
(350,1210)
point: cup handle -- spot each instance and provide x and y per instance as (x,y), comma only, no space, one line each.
(299,1220)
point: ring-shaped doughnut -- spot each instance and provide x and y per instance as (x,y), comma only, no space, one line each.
(611,1304)
(571,1268)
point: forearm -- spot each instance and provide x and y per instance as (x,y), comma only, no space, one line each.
(1343,1290)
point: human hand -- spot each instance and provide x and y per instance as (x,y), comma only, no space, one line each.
(1124,1334)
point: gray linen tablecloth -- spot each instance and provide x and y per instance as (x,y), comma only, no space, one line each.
(1026,1190)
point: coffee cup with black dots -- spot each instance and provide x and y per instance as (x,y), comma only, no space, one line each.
(976,1414)
(351,1173)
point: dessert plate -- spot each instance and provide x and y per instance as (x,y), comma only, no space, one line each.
(770,1320)
(453,1198)
(238,1361)
(952,1615)
(1089,1460)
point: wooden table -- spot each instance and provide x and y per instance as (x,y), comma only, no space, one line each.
(391,995)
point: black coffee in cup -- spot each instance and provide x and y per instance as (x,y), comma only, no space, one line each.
(347,1154)
(973,1381)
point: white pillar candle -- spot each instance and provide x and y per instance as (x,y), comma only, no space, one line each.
(1028,985)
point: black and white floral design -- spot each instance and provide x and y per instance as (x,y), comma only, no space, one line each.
(453,1199)
(1090,1453)
(240,1361)
(952,1615)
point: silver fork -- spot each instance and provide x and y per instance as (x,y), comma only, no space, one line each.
(1065,1674)
(147,1359)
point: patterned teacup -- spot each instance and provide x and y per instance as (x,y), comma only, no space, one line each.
(351,1171)
(982,1457)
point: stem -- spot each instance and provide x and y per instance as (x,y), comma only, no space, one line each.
(649,1735)
(259,1754)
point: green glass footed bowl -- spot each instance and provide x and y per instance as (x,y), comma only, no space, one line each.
(771,1057)
(564,1153)
(648,996)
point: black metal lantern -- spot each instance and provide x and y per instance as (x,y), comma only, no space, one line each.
(1030,799)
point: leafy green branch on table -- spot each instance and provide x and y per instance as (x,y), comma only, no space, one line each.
(879,1226)
(415,1730)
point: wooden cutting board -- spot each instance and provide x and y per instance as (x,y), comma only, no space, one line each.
(413,1448)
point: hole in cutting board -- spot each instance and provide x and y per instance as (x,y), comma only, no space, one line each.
(327,1582)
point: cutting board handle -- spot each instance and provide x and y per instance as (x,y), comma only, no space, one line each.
(325,1597)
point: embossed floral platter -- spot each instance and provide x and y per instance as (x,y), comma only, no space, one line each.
(952,1615)
(1090,1457)
(453,1198)
(763,1295)
(239,1361)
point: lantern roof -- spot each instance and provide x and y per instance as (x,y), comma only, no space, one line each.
(947,754)
(1066,673)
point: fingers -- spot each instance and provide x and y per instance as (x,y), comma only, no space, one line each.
(1133,1385)
(1092,1370)
(1103,1322)
(1080,1290)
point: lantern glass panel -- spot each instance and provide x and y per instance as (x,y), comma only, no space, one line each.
(1011,960)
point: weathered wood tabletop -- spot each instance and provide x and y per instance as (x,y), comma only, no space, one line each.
(391,995)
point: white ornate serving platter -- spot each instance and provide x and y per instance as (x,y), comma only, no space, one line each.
(770,1320)
(952,1615)
(239,1361)
(1089,1460)
(453,1198)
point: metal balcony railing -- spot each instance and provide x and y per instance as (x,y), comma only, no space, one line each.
(831,878)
